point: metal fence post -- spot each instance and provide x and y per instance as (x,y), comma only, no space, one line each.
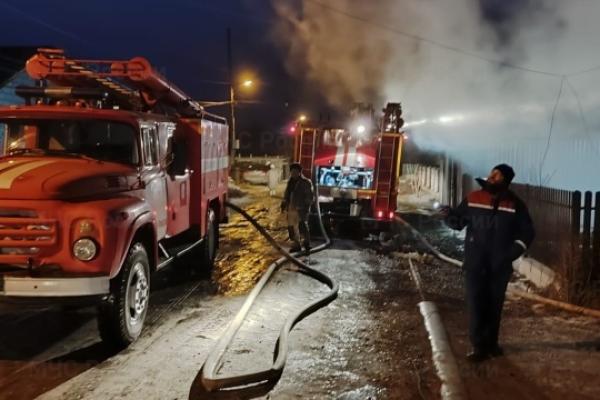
(571,271)
(596,239)
(586,254)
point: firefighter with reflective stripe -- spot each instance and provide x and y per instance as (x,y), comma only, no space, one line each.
(297,201)
(499,230)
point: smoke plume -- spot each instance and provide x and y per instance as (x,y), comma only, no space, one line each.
(478,79)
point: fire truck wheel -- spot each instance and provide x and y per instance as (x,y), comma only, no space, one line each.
(120,320)
(209,248)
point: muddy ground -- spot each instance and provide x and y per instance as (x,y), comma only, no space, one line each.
(549,354)
(369,343)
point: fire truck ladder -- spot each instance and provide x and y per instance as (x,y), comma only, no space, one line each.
(388,160)
(131,84)
(387,172)
(307,145)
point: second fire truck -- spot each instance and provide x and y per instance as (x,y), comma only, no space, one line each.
(356,165)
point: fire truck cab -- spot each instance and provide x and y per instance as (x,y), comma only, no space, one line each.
(108,174)
(355,165)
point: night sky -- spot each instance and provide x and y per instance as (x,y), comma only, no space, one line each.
(464,70)
(184,39)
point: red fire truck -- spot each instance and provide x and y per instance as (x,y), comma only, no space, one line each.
(356,165)
(108,173)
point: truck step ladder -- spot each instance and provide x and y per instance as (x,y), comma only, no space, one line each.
(387,173)
(307,151)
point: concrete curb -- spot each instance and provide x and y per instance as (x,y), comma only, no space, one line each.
(443,358)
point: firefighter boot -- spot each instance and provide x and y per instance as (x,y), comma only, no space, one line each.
(477,355)
(306,246)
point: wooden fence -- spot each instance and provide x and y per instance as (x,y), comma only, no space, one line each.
(567,225)
(423,177)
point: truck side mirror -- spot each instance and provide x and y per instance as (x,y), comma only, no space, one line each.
(177,159)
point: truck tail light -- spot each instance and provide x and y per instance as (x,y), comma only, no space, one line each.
(380,214)
(392,214)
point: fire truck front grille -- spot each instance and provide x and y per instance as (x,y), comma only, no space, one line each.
(25,235)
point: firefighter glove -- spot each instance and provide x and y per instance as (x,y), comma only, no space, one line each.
(515,251)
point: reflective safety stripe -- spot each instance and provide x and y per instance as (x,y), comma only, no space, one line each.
(488,207)
(521,243)
(510,210)
(484,206)
(7,178)
(6,165)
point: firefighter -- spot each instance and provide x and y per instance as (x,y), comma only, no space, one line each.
(499,230)
(297,200)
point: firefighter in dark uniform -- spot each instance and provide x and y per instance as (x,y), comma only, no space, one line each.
(499,230)
(297,200)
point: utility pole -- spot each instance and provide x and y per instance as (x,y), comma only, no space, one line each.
(232,135)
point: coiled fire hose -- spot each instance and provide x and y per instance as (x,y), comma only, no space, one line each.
(530,296)
(256,380)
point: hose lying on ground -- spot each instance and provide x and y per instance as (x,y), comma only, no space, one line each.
(447,370)
(530,296)
(267,377)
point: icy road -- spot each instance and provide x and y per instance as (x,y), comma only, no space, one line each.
(368,344)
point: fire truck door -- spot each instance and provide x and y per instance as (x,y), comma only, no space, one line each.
(155,178)
(178,185)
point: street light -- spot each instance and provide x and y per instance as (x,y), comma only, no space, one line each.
(297,128)
(247,83)
(244,84)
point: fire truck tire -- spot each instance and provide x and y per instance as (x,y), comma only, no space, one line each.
(211,241)
(121,318)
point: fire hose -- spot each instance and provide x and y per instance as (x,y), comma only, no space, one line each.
(530,296)
(267,378)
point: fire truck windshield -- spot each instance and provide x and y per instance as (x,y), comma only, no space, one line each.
(346,177)
(97,139)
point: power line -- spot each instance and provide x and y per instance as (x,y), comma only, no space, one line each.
(42,23)
(433,42)
(562,82)
(564,77)
(582,115)
(585,71)
(219,10)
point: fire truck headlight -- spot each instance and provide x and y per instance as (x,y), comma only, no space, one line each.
(361,129)
(85,249)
